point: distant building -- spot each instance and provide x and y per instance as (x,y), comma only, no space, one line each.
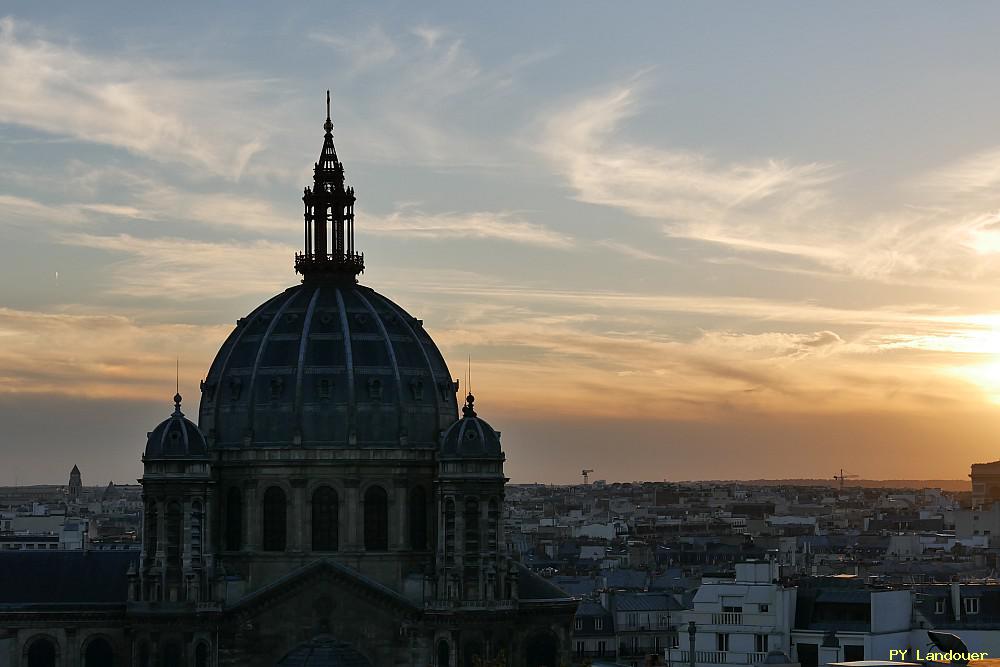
(985,483)
(738,620)
(75,485)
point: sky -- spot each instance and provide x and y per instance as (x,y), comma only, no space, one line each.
(678,240)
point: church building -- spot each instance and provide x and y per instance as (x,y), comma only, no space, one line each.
(331,506)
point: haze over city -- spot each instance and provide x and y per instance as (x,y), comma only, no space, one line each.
(694,245)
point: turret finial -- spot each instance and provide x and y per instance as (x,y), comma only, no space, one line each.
(328,125)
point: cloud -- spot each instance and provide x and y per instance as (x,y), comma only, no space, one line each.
(184,269)
(632,252)
(363,51)
(674,185)
(503,225)
(99,356)
(127,101)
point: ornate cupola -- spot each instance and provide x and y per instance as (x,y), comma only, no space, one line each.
(177,494)
(471,567)
(329,253)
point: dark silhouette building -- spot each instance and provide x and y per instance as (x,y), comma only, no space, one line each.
(330,507)
(75,487)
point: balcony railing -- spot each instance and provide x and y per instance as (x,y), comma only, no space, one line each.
(470,604)
(727,618)
(717,657)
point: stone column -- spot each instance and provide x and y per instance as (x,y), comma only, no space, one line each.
(251,534)
(399,526)
(352,513)
(297,540)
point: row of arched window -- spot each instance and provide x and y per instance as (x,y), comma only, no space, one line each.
(325,506)
(98,652)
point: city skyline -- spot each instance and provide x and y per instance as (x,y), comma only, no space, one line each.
(669,252)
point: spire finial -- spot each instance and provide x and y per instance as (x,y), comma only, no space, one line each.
(328,125)
(177,394)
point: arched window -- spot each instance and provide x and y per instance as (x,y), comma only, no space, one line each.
(376,519)
(42,653)
(172,654)
(196,517)
(175,529)
(201,655)
(449,527)
(418,518)
(99,653)
(443,654)
(325,507)
(493,537)
(275,520)
(471,517)
(152,528)
(234,519)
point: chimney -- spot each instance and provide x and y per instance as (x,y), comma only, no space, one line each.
(956,600)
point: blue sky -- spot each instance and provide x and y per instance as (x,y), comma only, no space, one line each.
(717,228)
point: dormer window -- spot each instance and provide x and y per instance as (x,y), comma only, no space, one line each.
(277,387)
(323,388)
(939,606)
(375,389)
(235,389)
(417,389)
(971,605)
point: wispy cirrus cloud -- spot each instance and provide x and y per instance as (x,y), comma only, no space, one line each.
(942,232)
(184,269)
(674,185)
(500,225)
(140,105)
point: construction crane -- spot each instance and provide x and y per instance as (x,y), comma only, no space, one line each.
(586,474)
(842,476)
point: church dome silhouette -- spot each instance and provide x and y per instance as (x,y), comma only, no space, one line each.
(175,437)
(329,362)
(470,437)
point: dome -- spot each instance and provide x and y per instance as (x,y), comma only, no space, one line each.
(327,363)
(324,651)
(470,436)
(176,437)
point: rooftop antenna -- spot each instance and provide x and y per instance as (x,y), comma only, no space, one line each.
(177,384)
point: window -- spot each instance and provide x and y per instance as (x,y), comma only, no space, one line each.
(418,518)
(201,655)
(275,520)
(98,653)
(579,649)
(633,620)
(376,519)
(763,608)
(721,641)
(174,534)
(971,605)
(42,653)
(325,509)
(579,624)
(939,606)
(854,652)
(601,647)
(760,643)
(598,623)
(234,519)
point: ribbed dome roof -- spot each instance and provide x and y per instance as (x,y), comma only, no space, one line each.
(324,651)
(470,436)
(327,364)
(176,437)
